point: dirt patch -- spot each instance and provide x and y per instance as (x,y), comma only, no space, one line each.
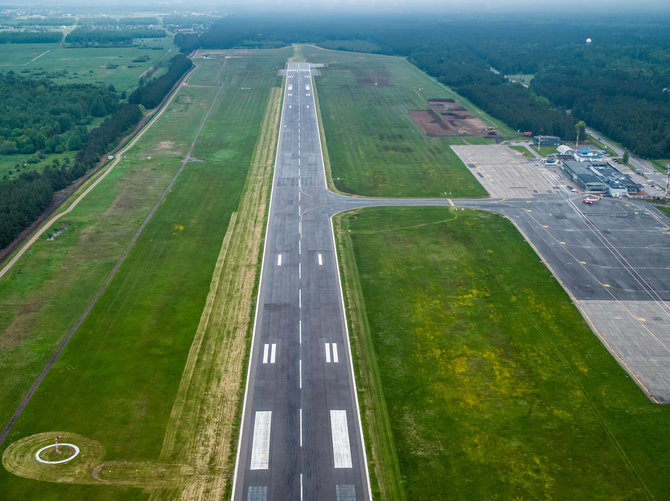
(448,118)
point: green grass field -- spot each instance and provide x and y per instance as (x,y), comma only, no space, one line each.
(523,150)
(478,374)
(544,150)
(374,147)
(117,66)
(117,380)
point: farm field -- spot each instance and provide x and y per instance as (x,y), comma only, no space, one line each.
(479,381)
(119,382)
(117,66)
(374,147)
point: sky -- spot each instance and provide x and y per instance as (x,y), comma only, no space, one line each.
(473,6)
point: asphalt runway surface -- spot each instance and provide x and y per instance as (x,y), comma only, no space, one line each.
(301,434)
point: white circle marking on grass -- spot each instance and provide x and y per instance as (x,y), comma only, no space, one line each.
(40,460)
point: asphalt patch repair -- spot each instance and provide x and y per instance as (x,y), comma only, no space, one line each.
(447,118)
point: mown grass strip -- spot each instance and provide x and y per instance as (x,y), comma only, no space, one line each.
(204,418)
(129,356)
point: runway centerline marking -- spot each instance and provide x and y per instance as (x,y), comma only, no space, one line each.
(299,271)
(260,448)
(278,259)
(320,260)
(300,373)
(300,331)
(340,436)
(300,427)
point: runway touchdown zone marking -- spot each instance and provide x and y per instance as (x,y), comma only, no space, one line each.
(340,435)
(271,350)
(260,448)
(335,357)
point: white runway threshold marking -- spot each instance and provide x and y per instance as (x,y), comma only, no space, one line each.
(340,433)
(260,448)
(320,260)
(279,260)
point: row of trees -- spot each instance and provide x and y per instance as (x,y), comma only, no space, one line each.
(103,37)
(30,37)
(152,93)
(39,116)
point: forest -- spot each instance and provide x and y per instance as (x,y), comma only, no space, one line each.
(39,116)
(619,84)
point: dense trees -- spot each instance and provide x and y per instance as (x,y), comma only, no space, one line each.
(39,116)
(30,37)
(151,94)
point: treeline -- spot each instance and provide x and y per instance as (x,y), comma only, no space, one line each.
(152,93)
(24,199)
(103,37)
(619,84)
(630,108)
(39,116)
(30,37)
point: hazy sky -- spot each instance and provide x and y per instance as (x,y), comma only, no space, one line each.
(546,6)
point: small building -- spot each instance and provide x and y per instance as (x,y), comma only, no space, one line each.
(588,155)
(565,150)
(546,140)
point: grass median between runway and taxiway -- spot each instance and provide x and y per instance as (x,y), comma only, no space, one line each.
(477,376)
(118,379)
(374,147)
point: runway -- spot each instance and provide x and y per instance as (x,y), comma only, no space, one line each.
(301,435)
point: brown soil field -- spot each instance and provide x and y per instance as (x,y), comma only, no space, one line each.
(447,118)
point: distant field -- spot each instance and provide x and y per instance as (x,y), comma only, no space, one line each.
(117,381)
(375,148)
(523,150)
(482,381)
(545,150)
(74,65)
(522,79)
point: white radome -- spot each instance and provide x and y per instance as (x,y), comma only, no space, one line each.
(588,41)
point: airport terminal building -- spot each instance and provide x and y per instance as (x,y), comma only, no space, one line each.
(600,177)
